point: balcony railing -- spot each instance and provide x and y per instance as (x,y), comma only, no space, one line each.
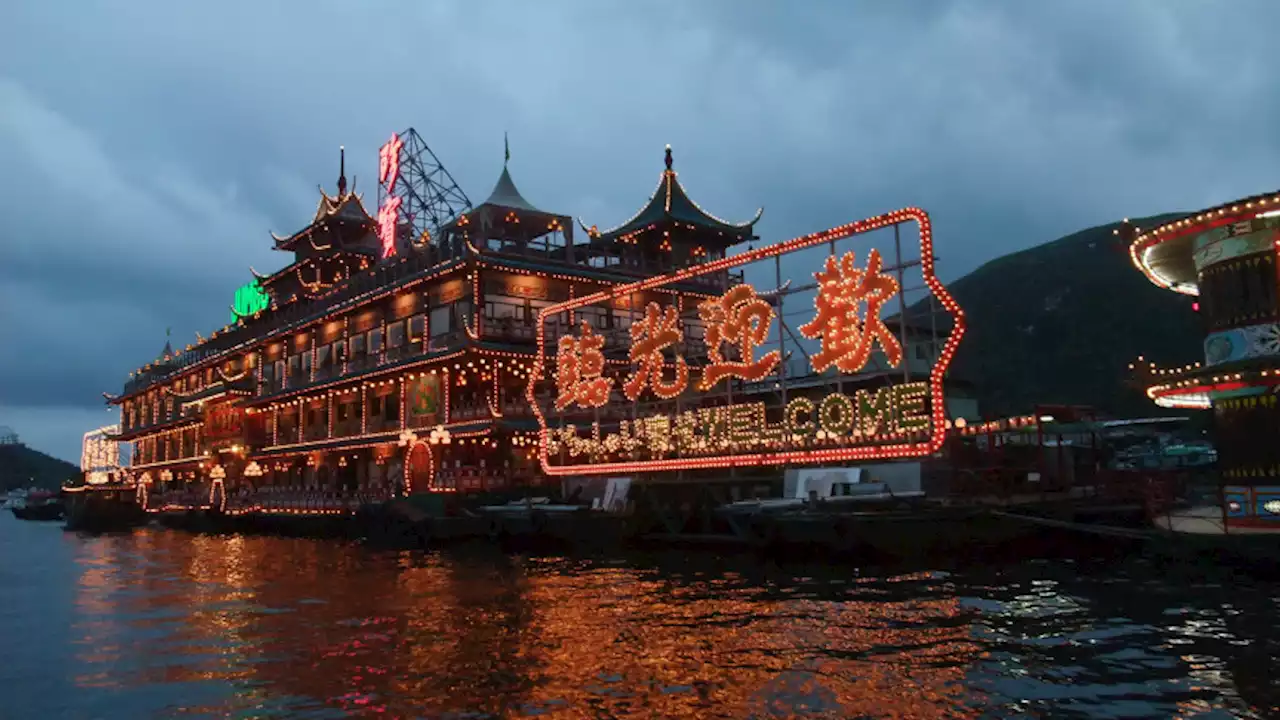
(272,499)
(327,372)
(384,278)
(361,362)
(381,277)
(403,352)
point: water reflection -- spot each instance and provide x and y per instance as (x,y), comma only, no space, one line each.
(170,624)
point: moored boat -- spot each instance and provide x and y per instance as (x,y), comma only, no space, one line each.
(106,507)
(42,505)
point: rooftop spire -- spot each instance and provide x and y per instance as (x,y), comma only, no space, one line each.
(167,353)
(342,170)
(506,149)
(668,156)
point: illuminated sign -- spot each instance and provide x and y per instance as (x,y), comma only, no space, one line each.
(223,421)
(684,347)
(249,300)
(100,454)
(388,174)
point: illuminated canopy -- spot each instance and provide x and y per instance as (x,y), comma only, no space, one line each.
(1167,254)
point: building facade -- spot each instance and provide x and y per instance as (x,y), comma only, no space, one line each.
(376,366)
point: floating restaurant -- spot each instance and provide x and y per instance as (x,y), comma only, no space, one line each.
(393,353)
(1225,257)
(440,347)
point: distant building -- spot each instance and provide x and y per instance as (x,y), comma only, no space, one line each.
(1226,257)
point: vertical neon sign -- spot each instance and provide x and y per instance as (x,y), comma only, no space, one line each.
(389,213)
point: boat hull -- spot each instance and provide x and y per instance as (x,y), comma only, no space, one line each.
(47,512)
(104,512)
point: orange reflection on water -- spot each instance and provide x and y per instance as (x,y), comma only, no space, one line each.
(298,624)
(730,649)
(171,624)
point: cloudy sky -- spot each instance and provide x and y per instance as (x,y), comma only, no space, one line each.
(147,147)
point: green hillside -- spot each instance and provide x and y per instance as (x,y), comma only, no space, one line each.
(1059,323)
(21,467)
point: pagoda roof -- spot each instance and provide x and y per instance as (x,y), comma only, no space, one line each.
(167,355)
(504,200)
(670,204)
(505,195)
(345,208)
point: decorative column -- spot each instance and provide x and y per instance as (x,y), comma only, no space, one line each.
(382,334)
(403,422)
(477,303)
(328,412)
(346,342)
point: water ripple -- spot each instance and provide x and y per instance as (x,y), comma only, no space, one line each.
(163,624)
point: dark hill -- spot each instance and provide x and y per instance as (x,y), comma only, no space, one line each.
(1060,323)
(22,467)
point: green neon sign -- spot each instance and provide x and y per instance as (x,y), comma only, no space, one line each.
(250,298)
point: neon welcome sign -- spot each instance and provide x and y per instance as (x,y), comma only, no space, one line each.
(896,421)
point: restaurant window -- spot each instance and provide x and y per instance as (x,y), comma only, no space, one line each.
(375,406)
(357,348)
(440,324)
(311,416)
(342,412)
(295,366)
(391,409)
(417,324)
(461,313)
(324,357)
(375,341)
(395,335)
(306,363)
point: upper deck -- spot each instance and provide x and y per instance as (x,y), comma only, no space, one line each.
(453,291)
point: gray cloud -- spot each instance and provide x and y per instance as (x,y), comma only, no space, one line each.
(146,148)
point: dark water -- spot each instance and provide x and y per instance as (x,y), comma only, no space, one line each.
(166,624)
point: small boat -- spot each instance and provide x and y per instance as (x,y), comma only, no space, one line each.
(105,507)
(43,506)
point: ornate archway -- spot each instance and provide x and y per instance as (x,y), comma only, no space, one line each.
(419,469)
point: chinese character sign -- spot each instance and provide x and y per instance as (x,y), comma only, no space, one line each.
(848,332)
(388,222)
(657,331)
(389,213)
(579,367)
(732,414)
(389,162)
(739,318)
